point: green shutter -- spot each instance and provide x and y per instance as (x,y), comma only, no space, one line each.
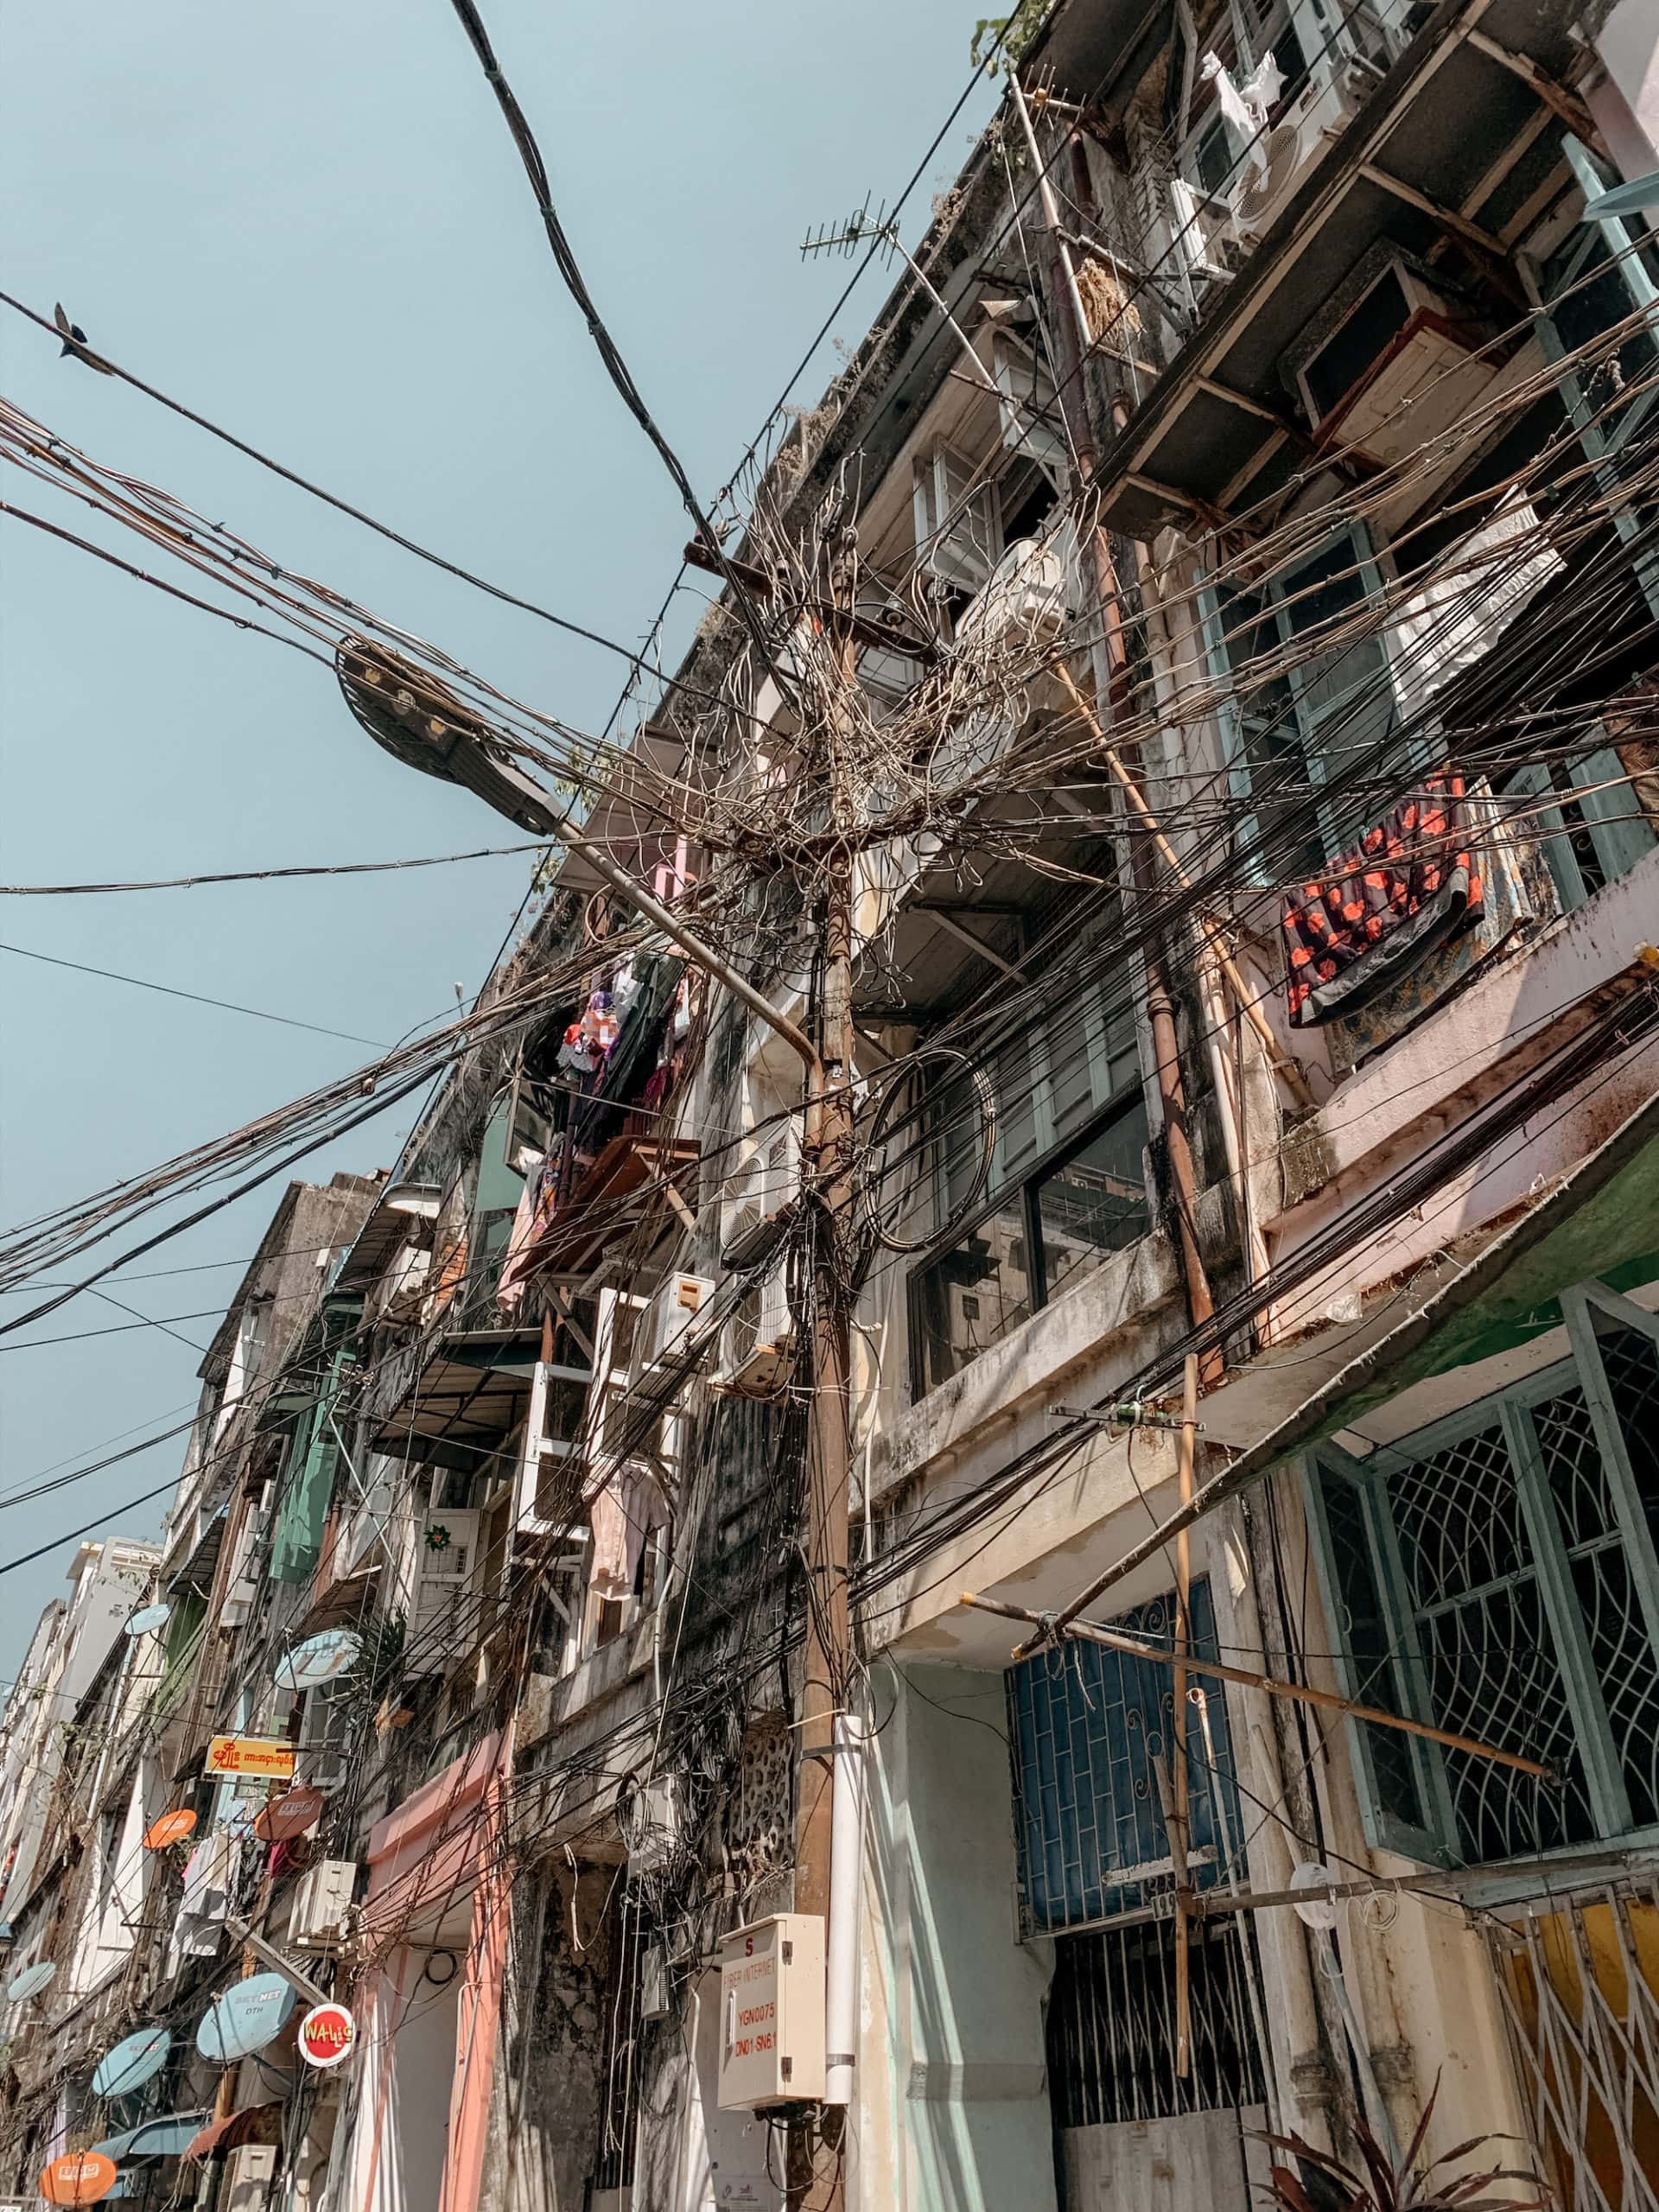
(309,1483)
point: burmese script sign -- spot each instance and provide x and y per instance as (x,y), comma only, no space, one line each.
(265,1755)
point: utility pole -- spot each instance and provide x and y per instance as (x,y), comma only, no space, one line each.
(815,2154)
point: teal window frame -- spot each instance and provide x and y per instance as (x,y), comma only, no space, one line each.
(1545,286)
(1314,724)
(1415,1814)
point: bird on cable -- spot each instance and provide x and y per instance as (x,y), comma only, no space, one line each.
(74,341)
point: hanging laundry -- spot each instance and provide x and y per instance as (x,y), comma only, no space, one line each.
(1411,884)
(531,1220)
(1245,106)
(622,1509)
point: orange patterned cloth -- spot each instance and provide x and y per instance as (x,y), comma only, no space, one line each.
(1411,884)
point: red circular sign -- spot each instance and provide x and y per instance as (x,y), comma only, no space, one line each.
(327,2035)
(78,2177)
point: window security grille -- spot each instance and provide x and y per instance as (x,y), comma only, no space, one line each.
(1495,1574)
(1086,1726)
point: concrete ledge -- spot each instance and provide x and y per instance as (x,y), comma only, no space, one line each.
(1031,1362)
(975,2081)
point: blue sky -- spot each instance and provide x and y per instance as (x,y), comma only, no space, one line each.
(309,223)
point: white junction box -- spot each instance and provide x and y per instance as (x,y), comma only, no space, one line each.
(772,2005)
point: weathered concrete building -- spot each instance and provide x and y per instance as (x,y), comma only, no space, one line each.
(1246,669)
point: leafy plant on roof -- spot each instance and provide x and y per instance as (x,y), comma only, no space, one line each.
(1001,41)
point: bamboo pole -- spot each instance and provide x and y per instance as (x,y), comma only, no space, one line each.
(1304,1693)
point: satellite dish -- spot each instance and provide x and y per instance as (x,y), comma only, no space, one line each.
(1623,198)
(30,1982)
(319,1659)
(131,2063)
(172,1828)
(80,2178)
(245,2019)
(289,1817)
(146,1618)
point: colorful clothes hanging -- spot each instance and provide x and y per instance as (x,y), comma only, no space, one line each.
(1410,884)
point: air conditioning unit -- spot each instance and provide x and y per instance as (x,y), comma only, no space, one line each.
(758,1353)
(1024,598)
(1295,143)
(667,1327)
(1400,366)
(318,1917)
(1195,224)
(249,2172)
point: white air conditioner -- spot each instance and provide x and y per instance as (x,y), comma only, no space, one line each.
(1194,242)
(319,1917)
(1295,143)
(758,1353)
(1024,600)
(1401,367)
(249,2172)
(667,1328)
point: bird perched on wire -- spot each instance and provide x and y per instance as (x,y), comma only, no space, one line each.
(74,342)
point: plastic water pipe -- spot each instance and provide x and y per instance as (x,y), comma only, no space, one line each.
(846,1874)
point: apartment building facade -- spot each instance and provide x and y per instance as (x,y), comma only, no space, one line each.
(1253,490)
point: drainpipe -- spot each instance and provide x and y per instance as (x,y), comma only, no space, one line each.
(848,1782)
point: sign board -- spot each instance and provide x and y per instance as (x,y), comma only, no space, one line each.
(327,2035)
(265,1755)
(78,2177)
(772,2013)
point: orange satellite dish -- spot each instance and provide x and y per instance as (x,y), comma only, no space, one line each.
(172,1828)
(80,2178)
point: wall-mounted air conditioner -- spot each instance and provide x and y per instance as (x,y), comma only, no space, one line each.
(667,1327)
(758,1353)
(1290,150)
(249,2171)
(1024,599)
(1400,365)
(319,1917)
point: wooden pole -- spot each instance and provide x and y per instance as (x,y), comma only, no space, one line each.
(1304,1693)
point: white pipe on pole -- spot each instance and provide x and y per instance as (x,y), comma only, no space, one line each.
(846,1873)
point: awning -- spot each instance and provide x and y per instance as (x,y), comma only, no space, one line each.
(253,2124)
(168,2136)
(612,1201)
(466,1399)
(1601,1220)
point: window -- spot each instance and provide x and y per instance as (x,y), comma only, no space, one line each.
(1602,276)
(1495,1575)
(1291,736)
(1595,834)
(1067,1185)
(958,529)
(1087,1728)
